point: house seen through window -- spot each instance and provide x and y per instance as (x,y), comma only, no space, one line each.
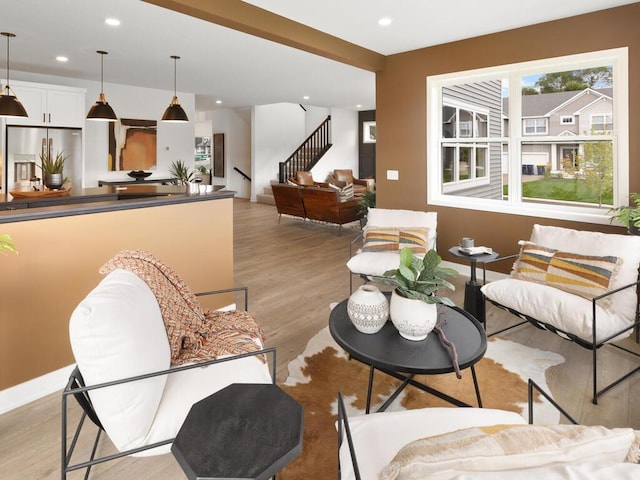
(535,138)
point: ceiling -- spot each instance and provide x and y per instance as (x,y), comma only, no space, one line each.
(238,69)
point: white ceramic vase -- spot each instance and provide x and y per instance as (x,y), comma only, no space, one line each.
(414,319)
(368,309)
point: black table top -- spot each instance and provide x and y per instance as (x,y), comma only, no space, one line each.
(481,258)
(387,350)
(248,431)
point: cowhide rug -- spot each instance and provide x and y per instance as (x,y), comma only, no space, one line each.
(323,369)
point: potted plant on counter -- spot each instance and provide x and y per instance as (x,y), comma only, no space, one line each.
(413,306)
(52,169)
(181,172)
(628,215)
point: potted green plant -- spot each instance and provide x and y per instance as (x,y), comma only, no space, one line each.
(628,215)
(180,171)
(413,306)
(52,169)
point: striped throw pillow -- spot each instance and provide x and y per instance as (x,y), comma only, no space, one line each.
(584,275)
(380,239)
(413,237)
(533,263)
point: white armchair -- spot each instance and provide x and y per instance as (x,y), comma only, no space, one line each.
(480,443)
(580,285)
(387,231)
(124,380)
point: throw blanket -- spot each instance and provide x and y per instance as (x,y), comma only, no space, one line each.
(194,334)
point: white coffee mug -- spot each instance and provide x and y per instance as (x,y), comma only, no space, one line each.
(466,242)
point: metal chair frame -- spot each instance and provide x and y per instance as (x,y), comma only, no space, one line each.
(76,387)
(591,344)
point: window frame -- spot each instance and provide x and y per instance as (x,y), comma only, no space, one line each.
(618,58)
(545,121)
(571,120)
(604,121)
(474,142)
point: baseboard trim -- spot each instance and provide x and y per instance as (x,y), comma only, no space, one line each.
(27,392)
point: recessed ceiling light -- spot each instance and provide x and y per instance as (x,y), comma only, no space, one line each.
(384,22)
(358,106)
(62,58)
(306,97)
(112,22)
(218,101)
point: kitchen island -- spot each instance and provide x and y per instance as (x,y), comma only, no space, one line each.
(61,248)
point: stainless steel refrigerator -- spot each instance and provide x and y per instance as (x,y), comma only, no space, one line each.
(24,146)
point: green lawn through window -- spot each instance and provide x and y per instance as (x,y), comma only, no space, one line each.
(560,189)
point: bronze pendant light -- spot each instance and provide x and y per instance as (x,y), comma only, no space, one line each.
(10,106)
(101,110)
(174,112)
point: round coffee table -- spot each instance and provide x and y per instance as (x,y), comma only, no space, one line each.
(392,354)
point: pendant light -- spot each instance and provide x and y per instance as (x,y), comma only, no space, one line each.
(101,110)
(174,112)
(10,106)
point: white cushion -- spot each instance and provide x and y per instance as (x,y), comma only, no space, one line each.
(376,263)
(117,332)
(373,263)
(563,310)
(573,471)
(626,247)
(378,437)
(385,217)
(183,389)
(507,447)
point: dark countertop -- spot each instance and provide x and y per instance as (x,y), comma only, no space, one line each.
(101,199)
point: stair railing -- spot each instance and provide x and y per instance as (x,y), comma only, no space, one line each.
(307,154)
(247,177)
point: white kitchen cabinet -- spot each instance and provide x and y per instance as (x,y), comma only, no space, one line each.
(49,105)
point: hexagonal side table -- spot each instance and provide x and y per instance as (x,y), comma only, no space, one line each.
(242,431)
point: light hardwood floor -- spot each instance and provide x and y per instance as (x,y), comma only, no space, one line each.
(294,270)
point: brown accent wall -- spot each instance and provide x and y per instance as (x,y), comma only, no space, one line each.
(59,261)
(401,115)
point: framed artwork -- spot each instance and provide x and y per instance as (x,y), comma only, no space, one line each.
(132,144)
(368,132)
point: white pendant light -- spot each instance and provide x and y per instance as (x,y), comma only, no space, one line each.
(174,112)
(101,110)
(10,106)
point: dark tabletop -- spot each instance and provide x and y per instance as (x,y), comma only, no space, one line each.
(247,431)
(388,350)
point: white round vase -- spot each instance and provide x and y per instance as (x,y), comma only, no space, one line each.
(414,319)
(368,309)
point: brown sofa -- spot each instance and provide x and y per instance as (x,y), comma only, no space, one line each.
(315,203)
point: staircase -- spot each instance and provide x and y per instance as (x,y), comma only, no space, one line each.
(267,195)
(309,153)
(304,158)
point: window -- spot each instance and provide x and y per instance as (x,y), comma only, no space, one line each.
(463,151)
(513,139)
(535,126)
(602,123)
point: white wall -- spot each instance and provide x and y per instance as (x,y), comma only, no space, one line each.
(278,130)
(344,152)
(235,124)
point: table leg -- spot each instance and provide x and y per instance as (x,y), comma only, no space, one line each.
(475,384)
(370,388)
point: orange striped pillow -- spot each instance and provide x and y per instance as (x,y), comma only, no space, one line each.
(413,237)
(380,239)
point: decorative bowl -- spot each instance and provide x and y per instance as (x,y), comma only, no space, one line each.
(139,174)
